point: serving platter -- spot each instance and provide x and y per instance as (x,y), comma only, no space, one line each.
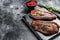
(27,20)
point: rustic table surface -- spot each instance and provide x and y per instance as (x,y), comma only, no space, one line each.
(12,28)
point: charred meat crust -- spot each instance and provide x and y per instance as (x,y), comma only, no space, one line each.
(39,26)
(47,15)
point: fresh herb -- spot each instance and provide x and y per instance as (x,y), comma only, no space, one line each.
(47,25)
(49,8)
(40,13)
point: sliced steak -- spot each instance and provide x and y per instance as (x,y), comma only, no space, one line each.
(46,27)
(39,14)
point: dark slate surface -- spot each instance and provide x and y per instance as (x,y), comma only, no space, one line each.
(11,26)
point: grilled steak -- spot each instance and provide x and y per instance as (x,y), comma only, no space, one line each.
(46,27)
(39,14)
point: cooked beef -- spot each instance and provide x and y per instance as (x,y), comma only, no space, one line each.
(46,27)
(40,14)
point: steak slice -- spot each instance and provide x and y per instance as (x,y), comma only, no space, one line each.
(46,27)
(39,14)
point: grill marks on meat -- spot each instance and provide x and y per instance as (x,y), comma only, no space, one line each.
(46,27)
(46,14)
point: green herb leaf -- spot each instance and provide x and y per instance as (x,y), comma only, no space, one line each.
(49,8)
(40,13)
(47,25)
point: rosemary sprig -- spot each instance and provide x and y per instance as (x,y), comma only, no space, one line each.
(49,8)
